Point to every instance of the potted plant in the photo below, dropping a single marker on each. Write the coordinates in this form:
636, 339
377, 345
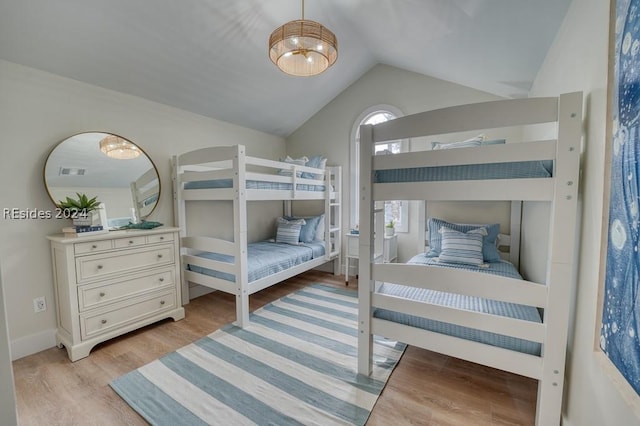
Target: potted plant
81, 210
390, 229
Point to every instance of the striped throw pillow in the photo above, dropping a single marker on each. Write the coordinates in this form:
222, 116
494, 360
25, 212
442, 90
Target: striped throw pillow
462, 247
289, 231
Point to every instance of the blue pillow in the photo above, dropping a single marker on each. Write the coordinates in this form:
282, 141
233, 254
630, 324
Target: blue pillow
489, 248
317, 162
309, 227
462, 247
289, 231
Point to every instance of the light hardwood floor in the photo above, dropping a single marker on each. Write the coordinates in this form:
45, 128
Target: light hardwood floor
425, 389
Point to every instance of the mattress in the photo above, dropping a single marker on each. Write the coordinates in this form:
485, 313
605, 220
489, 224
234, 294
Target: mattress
470, 303
252, 184
514, 170
265, 258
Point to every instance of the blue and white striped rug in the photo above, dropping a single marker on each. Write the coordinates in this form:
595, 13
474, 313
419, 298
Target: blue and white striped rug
295, 364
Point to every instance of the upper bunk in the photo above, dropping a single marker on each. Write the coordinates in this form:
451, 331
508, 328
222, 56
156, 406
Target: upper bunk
527, 170
218, 173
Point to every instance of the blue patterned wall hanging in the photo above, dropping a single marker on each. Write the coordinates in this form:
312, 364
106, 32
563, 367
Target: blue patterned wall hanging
621, 307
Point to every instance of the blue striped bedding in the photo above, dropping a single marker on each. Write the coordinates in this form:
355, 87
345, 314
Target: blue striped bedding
251, 184
514, 170
265, 258
470, 303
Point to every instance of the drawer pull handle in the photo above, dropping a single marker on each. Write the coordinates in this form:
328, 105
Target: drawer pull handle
102, 294
162, 302
94, 246
161, 279
161, 238
159, 256
104, 321
99, 266
130, 241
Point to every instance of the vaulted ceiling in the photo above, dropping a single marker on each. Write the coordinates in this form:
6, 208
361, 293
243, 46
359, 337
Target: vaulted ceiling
210, 56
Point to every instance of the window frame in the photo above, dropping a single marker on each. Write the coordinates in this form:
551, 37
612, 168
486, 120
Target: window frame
354, 144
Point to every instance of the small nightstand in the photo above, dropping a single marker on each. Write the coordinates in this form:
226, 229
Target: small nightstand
389, 254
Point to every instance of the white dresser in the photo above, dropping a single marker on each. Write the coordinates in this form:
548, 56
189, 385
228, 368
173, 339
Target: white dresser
109, 284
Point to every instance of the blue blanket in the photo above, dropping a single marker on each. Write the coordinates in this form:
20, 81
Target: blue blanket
265, 258
251, 184
514, 170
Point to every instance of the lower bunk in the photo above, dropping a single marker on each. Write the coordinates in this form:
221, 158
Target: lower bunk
485, 314
462, 302
265, 258
268, 263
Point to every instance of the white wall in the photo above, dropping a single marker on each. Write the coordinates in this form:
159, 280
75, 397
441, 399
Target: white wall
7, 393
578, 61
329, 130
39, 109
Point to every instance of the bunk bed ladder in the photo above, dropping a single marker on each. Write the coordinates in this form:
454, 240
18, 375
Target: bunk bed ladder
561, 259
179, 214
333, 217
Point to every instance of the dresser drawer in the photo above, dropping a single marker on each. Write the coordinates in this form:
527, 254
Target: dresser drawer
103, 265
104, 293
130, 242
94, 323
159, 238
92, 247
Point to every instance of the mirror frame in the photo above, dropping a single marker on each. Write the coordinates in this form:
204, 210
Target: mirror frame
46, 161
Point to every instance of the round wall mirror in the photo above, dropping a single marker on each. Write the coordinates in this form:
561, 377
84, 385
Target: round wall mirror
106, 166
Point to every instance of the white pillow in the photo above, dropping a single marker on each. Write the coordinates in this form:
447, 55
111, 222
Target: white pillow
475, 141
302, 161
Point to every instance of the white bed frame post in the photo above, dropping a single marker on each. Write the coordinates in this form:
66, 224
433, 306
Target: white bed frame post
179, 218
366, 245
240, 236
514, 233
561, 259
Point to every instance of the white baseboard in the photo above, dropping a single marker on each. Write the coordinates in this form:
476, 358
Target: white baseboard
33, 343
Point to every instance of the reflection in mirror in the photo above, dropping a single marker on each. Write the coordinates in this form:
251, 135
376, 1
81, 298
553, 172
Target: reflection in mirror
106, 166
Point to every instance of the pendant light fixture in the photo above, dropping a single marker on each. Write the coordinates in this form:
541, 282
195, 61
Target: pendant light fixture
116, 147
303, 47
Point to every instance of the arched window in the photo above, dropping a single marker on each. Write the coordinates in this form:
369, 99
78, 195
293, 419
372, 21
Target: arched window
398, 211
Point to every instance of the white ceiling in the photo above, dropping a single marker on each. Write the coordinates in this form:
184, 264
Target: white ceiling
210, 56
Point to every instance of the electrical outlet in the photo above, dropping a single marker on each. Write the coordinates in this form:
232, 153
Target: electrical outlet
39, 304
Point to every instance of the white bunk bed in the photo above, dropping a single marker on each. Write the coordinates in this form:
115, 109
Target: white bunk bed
397, 291
144, 193
228, 174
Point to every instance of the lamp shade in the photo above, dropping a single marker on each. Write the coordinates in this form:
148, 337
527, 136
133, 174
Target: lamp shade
116, 147
303, 48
